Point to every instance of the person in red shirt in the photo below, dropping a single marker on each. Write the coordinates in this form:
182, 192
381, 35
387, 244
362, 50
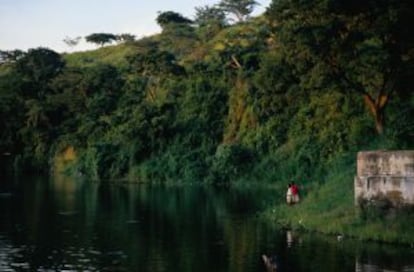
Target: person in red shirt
295, 193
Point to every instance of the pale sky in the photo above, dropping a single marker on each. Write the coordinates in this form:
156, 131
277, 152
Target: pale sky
28, 24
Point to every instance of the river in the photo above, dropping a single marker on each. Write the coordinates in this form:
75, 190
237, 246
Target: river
62, 224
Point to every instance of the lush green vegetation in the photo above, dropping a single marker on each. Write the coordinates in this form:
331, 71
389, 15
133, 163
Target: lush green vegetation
293, 94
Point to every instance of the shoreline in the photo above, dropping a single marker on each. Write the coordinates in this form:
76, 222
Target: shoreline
330, 211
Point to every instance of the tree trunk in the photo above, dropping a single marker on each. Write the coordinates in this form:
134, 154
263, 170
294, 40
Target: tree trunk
377, 109
379, 121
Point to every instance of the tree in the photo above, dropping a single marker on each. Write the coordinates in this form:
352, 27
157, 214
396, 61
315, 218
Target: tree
178, 35
154, 67
210, 16
125, 37
72, 42
362, 47
239, 46
167, 18
10, 56
11, 114
38, 66
241, 9
101, 38
35, 71
210, 21
155, 63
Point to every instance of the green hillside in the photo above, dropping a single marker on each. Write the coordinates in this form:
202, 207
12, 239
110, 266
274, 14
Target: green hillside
290, 95
114, 55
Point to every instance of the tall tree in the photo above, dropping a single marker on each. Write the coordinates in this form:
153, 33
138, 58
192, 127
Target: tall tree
37, 67
36, 70
364, 47
178, 34
209, 15
241, 9
11, 114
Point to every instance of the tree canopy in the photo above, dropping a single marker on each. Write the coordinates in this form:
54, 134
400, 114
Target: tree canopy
166, 18
101, 38
210, 16
359, 47
39, 65
241, 9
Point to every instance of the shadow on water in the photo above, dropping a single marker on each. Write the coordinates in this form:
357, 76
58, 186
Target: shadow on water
70, 225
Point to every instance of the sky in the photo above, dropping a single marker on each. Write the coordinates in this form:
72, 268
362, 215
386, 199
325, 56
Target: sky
28, 24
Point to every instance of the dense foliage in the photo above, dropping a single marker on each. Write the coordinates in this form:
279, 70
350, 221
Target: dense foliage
278, 97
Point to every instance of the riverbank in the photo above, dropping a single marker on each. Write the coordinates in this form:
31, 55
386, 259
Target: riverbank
329, 208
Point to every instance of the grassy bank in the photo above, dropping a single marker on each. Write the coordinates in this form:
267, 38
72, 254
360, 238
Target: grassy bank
329, 208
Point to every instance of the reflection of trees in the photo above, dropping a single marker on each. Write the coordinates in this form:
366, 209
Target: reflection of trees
241, 238
325, 253
383, 258
158, 228
65, 191
167, 228
195, 225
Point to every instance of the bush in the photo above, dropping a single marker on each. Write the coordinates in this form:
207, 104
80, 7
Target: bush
231, 161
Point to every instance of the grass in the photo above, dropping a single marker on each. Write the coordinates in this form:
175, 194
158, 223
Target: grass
329, 208
114, 55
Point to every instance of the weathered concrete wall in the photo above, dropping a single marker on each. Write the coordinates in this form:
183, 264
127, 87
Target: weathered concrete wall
385, 175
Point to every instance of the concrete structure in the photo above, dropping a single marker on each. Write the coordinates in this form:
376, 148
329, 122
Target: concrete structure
385, 175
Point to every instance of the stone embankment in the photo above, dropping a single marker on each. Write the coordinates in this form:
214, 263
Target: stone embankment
385, 176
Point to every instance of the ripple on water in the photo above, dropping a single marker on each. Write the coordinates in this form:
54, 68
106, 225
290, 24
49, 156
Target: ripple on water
5, 195
68, 213
94, 252
132, 222
23, 265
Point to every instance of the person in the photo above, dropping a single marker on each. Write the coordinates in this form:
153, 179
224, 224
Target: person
289, 196
295, 193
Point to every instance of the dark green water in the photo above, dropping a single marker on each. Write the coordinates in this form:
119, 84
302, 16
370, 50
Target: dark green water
68, 225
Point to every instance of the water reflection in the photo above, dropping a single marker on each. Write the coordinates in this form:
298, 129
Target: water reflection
11, 257
69, 225
292, 238
382, 258
374, 268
